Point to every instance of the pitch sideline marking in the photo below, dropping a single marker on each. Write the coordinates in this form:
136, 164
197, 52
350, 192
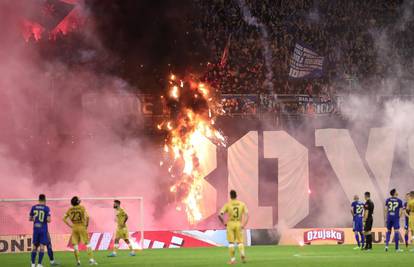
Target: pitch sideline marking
321, 256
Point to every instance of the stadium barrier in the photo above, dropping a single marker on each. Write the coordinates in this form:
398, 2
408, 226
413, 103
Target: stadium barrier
104, 240
193, 238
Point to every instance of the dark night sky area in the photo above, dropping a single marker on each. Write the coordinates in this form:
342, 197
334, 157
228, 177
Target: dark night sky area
152, 33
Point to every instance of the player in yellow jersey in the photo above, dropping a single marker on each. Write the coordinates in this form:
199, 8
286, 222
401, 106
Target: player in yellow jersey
121, 230
237, 218
409, 212
79, 221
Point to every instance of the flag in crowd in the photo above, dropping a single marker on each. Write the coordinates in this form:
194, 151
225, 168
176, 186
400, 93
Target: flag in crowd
305, 63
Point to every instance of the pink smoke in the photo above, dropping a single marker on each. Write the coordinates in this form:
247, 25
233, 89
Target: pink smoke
61, 135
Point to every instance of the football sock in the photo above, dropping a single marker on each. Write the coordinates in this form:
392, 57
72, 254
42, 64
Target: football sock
90, 253
115, 249
370, 240
387, 238
362, 239
397, 239
357, 239
50, 252
231, 251
34, 253
241, 249
406, 239
366, 240
41, 254
76, 252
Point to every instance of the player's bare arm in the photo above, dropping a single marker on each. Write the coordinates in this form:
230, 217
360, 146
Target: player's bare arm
220, 216
245, 219
365, 216
126, 219
65, 220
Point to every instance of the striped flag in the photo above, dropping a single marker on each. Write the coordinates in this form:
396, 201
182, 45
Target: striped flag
305, 63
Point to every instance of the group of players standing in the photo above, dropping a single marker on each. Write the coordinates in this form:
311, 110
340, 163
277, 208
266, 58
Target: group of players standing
77, 219
395, 210
237, 217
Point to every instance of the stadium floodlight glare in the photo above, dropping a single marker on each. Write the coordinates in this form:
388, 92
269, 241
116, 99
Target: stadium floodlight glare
19, 208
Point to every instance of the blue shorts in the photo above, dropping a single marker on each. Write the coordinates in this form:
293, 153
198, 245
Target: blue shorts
357, 225
393, 222
40, 237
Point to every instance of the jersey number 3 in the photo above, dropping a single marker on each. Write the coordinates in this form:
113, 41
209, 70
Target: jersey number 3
235, 213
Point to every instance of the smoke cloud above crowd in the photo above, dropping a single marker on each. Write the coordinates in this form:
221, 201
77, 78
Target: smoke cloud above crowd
68, 128
71, 121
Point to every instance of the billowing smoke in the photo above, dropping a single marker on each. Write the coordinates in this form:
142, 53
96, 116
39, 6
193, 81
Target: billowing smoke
67, 126
374, 102
370, 104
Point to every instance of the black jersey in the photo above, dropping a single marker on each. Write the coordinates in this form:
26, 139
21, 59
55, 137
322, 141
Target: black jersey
369, 208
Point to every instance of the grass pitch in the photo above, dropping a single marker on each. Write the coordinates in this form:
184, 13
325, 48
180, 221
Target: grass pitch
312, 256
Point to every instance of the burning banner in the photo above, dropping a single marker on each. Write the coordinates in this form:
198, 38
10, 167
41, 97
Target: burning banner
52, 18
194, 110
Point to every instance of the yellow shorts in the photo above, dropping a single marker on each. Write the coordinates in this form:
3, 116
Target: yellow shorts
122, 233
411, 223
79, 235
234, 232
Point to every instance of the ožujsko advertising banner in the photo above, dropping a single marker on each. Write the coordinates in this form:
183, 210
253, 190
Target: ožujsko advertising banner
312, 236
104, 241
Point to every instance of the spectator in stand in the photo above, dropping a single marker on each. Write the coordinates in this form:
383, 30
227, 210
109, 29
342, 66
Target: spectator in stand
343, 35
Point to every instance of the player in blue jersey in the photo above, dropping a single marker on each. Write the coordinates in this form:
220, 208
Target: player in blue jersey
40, 216
406, 228
50, 252
393, 213
357, 211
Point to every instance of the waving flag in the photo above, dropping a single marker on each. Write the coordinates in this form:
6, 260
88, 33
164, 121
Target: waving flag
225, 55
305, 63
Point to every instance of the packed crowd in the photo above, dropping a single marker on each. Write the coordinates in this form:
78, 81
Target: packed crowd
277, 104
363, 42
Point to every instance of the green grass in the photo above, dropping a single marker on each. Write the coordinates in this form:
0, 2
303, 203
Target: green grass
316, 256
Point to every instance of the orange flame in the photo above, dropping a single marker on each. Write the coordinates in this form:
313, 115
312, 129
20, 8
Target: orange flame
186, 134
174, 93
